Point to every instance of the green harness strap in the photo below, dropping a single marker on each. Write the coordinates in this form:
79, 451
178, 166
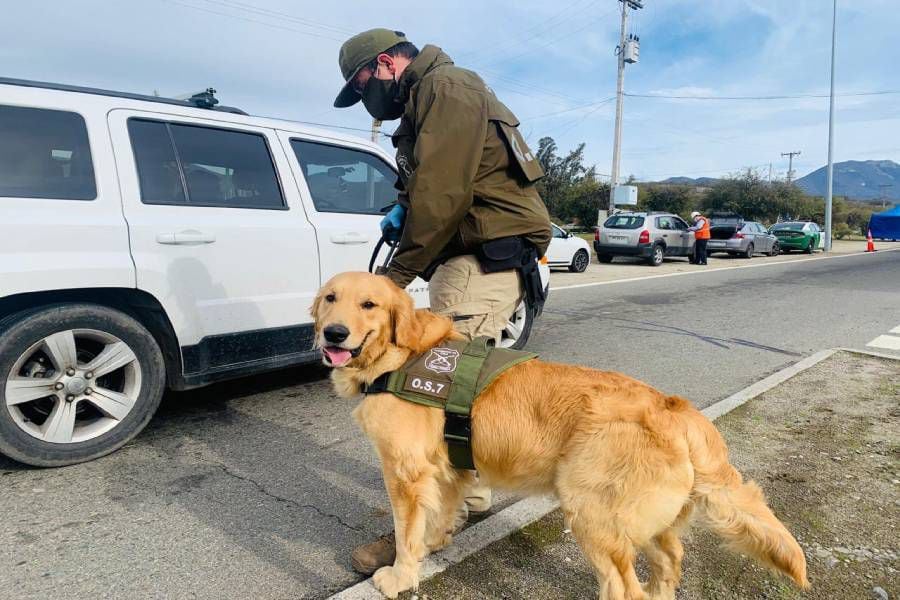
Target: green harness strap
450, 377
457, 411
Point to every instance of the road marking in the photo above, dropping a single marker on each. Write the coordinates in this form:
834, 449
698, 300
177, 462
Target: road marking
891, 342
704, 271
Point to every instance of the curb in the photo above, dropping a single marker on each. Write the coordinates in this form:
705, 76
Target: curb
527, 511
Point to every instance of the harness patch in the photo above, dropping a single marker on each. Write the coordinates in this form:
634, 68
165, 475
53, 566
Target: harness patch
442, 360
424, 385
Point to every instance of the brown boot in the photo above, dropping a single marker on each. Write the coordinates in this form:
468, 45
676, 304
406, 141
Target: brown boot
368, 558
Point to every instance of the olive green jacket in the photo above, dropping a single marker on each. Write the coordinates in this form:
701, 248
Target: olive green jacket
467, 174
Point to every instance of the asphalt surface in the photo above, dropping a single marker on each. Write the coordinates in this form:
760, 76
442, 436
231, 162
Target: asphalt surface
259, 488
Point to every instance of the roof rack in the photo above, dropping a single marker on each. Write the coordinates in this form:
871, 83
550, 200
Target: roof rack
204, 100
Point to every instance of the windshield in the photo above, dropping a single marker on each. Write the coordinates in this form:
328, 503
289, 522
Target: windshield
791, 226
624, 222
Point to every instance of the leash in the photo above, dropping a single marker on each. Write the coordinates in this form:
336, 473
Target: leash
392, 248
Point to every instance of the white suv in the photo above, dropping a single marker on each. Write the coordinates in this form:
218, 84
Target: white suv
148, 243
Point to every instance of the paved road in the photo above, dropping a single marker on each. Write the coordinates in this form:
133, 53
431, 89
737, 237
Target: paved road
259, 488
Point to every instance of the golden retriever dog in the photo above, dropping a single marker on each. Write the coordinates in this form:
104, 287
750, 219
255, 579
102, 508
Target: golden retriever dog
627, 462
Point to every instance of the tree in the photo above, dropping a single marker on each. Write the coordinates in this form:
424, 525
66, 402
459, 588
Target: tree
569, 188
676, 199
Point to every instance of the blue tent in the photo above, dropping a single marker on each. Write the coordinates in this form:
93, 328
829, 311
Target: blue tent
886, 225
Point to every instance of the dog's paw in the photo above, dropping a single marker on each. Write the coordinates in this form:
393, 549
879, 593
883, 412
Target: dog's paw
390, 581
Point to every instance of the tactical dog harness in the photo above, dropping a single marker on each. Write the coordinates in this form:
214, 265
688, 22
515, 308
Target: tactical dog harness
451, 376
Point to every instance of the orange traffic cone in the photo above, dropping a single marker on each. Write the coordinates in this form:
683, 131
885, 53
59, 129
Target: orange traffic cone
870, 245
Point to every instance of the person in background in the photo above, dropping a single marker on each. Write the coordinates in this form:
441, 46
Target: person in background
701, 235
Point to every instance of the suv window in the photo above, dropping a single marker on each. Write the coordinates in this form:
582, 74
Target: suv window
45, 154
624, 222
345, 180
664, 223
679, 224
203, 166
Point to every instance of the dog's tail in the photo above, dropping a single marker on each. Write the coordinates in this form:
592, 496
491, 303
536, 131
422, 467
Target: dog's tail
737, 510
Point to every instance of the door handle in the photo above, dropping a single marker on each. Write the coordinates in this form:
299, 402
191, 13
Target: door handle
187, 237
350, 237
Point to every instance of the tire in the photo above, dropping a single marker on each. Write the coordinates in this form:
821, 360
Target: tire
580, 262
657, 254
776, 249
748, 253
605, 258
515, 335
104, 411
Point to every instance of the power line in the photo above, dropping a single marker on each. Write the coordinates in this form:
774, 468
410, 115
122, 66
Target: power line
783, 97
264, 23
533, 48
572, 124
241, 6
568, 110
537, 27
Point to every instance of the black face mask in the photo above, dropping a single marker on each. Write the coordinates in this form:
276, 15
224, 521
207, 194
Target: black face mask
379, 98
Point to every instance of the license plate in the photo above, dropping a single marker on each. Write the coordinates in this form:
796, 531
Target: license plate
618, 239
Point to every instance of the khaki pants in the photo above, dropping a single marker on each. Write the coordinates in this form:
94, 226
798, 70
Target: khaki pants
480, 305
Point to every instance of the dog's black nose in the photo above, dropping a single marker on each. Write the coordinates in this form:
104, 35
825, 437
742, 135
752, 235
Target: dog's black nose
335, 334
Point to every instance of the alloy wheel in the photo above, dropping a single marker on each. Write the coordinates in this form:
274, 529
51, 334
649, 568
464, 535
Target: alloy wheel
73, 386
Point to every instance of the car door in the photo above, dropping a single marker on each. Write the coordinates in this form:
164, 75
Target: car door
669, 235
560, 251
814, 233
216, 237
763, 240
686, 237
345, 188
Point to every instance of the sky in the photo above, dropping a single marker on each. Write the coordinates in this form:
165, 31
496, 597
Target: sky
552, 63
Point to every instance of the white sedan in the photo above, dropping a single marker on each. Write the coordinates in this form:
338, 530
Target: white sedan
567, 250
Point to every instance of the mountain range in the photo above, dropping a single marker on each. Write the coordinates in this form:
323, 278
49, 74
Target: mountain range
856, 179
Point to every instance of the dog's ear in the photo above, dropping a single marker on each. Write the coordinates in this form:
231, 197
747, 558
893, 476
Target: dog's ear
315, 308
407, 328
417, 330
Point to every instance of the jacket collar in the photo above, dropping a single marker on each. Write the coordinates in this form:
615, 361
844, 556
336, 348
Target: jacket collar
429, 58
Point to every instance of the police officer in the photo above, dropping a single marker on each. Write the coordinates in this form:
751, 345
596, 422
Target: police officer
467, 195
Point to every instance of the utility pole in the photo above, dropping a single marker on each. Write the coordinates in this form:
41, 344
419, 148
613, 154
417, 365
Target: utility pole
376, 129
882, 187
770, 172
622, 57
790, 155
829, 172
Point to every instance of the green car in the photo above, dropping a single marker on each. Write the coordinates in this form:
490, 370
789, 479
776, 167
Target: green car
797, 235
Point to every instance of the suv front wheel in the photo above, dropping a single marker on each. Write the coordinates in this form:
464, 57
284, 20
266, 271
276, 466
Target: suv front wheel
77, 381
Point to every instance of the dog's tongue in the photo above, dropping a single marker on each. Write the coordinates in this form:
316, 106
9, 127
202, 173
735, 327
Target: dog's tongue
338, 356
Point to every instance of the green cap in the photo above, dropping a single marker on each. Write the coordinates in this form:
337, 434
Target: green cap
357, 52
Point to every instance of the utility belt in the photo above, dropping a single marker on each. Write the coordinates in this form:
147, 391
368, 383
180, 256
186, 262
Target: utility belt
505, 254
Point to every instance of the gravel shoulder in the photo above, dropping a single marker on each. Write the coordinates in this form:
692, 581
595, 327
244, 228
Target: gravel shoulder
824, 446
